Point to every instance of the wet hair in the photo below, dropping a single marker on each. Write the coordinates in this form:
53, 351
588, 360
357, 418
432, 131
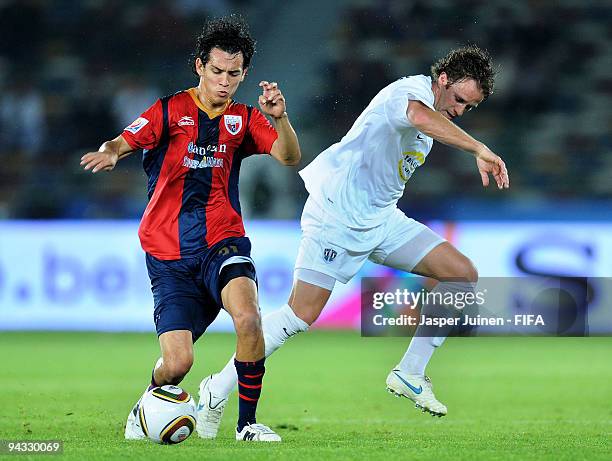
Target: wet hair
230, 34
465, 63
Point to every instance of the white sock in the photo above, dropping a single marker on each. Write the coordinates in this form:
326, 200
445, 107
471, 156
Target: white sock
419, 352
277, 326
421, 348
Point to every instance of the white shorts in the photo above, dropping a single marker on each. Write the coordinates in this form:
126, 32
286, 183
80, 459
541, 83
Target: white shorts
330, 247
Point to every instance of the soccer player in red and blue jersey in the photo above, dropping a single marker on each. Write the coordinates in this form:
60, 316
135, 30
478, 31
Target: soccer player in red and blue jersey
197, 254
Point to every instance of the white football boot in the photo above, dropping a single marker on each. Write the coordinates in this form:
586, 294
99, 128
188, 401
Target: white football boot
257, 433
133, 430
417, 388
210, 411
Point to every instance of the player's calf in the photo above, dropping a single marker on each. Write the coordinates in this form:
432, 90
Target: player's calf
278, 327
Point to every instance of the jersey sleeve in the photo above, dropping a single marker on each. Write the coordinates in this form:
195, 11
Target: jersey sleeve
413, 90
146, 130
260, 135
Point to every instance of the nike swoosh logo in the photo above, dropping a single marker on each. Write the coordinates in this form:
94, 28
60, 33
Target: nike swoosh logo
420, 136
287, 333
412, 388
212, 407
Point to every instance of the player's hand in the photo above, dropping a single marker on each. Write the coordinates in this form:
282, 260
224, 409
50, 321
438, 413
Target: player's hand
99, 161
487, 162
271, 101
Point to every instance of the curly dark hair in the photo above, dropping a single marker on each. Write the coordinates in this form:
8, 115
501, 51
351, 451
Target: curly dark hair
467, 62
229, 33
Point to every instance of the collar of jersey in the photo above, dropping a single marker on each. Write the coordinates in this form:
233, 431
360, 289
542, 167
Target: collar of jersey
193, 92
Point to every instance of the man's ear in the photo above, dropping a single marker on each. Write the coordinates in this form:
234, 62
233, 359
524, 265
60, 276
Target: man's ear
443, 79
199, 65
244, 73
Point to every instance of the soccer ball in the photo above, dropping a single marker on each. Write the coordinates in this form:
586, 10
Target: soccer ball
167, 414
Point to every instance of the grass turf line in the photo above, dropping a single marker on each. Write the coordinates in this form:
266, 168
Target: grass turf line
324, 392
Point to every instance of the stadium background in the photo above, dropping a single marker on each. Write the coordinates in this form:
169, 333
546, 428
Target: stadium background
73, 74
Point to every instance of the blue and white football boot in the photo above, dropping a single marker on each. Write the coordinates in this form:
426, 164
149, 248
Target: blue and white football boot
210, 411
417, 388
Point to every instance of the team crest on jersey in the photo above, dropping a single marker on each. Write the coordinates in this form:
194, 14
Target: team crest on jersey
186, 121
329, 255
136, 125
233, 123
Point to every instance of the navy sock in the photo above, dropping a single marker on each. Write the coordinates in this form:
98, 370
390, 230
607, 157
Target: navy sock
250, 377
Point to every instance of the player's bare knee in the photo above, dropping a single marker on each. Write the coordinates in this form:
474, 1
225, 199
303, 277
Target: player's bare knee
466, 271
247, 324
470, 271
176, 368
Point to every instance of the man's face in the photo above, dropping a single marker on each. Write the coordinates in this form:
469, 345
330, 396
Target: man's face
456, 98
221, 75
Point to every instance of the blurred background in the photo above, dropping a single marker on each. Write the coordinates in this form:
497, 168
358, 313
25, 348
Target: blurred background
74, 73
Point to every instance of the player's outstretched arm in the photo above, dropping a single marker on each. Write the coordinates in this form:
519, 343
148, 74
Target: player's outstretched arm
438, 127
107, 155
286, 149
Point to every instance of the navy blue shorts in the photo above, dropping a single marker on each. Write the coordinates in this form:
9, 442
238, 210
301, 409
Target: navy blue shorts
187, 292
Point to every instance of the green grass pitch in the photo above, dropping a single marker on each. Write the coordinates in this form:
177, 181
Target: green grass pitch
324, 392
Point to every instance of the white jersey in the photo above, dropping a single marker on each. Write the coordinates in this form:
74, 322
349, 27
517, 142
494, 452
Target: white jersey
360, 179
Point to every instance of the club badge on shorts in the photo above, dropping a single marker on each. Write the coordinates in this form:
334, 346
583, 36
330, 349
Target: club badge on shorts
329, 255
233, 123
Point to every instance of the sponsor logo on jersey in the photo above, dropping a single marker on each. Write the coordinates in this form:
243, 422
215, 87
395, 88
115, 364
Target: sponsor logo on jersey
409, 162
186, 121
192, 148
206, 162
329, 255
233, 123
136, 125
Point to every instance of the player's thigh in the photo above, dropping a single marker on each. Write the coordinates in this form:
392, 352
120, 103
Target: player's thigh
329, 247
231, 279
406, 243
307, 299
445, 262
328, 251
318, 265
180, 302
239, 297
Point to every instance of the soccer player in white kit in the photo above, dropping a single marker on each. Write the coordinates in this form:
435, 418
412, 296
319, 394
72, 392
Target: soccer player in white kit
351, 215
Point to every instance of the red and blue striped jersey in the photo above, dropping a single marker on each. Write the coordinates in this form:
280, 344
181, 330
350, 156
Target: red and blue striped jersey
192, 160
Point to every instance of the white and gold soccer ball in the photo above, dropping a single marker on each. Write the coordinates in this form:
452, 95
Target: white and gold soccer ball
167, 414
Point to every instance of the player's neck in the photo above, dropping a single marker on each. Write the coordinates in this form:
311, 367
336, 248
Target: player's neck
436, 91
207, 103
